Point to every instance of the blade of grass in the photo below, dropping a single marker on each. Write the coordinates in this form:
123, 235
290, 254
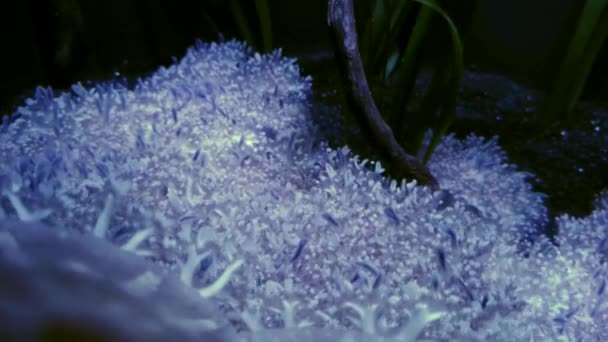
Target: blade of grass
379, 37
401, 7
392, 47
391, 64
431, 106
447, 113
564, 93
389, 41
241, 22
409, 65
263, 12
593, 48
450, 101
372, 38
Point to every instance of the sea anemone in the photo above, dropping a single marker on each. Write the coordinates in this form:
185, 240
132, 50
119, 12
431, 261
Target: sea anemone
210, 176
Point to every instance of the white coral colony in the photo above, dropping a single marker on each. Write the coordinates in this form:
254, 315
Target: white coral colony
196, 206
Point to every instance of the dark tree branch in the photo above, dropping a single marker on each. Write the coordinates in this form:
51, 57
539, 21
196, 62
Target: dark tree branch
341, 20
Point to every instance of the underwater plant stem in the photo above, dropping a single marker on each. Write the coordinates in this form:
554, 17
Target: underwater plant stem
341, 20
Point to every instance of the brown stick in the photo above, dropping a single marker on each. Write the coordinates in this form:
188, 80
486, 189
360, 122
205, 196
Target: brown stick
341, 20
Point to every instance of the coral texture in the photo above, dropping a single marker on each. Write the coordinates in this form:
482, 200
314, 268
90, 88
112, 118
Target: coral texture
203, 203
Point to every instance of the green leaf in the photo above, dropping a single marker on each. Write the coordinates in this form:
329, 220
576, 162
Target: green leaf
590, 34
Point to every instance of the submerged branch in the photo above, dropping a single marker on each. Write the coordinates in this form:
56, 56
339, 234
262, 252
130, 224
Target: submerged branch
341, 20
